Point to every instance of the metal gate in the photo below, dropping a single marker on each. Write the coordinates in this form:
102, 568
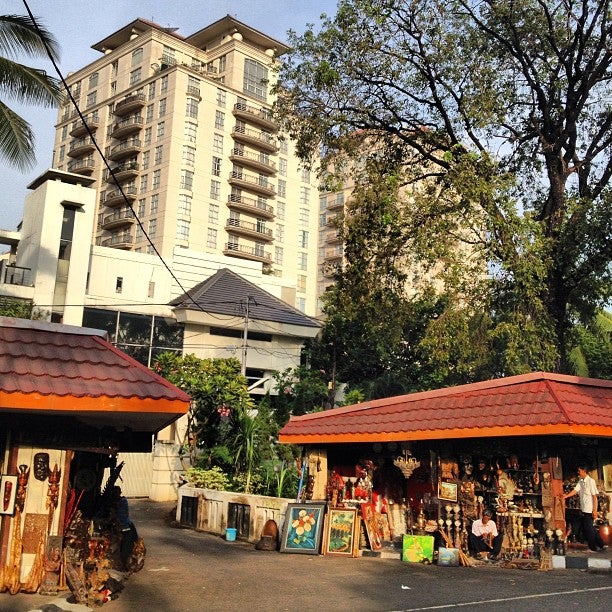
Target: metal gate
239, 517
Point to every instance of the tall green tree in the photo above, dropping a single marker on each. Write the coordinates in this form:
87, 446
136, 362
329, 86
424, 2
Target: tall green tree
25, 84
500, 116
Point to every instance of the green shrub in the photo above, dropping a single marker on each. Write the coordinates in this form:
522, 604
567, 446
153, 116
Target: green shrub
213, 478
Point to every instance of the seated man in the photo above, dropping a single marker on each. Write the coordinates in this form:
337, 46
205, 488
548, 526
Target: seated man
485, 541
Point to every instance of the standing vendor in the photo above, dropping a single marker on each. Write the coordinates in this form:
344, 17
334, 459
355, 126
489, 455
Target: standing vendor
586, 488
485, 540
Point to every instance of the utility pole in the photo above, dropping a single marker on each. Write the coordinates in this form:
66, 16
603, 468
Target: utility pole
245, 335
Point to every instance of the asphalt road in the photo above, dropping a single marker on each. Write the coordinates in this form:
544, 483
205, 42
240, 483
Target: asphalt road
191, 571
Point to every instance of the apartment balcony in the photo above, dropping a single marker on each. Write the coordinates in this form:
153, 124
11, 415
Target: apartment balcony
79, 128
130, 104
250, 205
251, 230
252, 183
332, 237
131, 146
335, 203
194, 92
243, 251
81, 166
334, 254
260, 116
123, 217
123, 172
255, 138
117, 198
82, 146
119, 240
128, 126
11, 274
256, 161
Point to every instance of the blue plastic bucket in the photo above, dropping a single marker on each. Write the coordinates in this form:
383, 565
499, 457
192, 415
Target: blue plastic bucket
230, 534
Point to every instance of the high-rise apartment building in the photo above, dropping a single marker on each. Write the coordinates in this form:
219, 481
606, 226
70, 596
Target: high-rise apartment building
195, 159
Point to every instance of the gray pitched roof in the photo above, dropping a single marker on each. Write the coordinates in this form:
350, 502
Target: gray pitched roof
226, 292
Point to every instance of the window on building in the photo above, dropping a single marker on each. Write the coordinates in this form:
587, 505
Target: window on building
91, 98
215, 190
162, 107
114, 68
149, 114
184, 204
64, 132
137, 56
303, 239
300, 304
255, 80
186, 179
152, 89
278, 256
163, 84
213, 214
282, 167
305, 175
304, 216
93, 80
148, 135
222, 63
154, 203
216, 166
304, 195
191, 130
284, 147
219, 120
156, 179
189, 155
139, 233
182, 229
280, 232
161, 128
218, 143
340, 198
159, 153
152, 228
144, 179
141, 208
282, 188
146, 159
151, 290
302, 261
168, 56
221, 97
301, 283
136, 75
280, 210
191, 109
62, 153
211, 238
193, 85
119, 284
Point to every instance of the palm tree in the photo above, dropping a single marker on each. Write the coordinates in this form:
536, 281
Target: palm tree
19, 34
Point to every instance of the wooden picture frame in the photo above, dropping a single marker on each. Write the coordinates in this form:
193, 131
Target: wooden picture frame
8, 494
341, 533
370, 523
303, 528
447, 490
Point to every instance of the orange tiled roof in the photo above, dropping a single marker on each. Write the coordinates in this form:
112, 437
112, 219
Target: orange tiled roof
46, 368
538, 403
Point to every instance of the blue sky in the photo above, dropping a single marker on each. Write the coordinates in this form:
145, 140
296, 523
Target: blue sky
78, 25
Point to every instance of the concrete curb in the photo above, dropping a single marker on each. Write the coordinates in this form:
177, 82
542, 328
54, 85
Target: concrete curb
582, 563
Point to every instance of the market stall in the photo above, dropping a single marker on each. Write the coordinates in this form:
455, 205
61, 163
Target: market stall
428, 464
69, 403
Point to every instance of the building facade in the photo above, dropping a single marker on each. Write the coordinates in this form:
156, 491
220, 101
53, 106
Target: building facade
193, 157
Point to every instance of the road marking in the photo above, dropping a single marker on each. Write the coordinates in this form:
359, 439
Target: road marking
505, 599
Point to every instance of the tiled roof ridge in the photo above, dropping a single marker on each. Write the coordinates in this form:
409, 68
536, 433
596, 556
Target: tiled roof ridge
461, 390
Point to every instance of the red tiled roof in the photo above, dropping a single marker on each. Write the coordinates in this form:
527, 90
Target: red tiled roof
538, 403
47, 368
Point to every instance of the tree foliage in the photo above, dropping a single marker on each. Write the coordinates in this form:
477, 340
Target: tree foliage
495, 121
19, 35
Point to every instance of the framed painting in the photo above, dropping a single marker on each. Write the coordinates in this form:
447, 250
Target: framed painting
341, 534
447, 491
8, 494
303, 528
371, 525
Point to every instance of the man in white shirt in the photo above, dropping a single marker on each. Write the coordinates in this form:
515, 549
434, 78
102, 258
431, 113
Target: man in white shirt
485, 540
586, 488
